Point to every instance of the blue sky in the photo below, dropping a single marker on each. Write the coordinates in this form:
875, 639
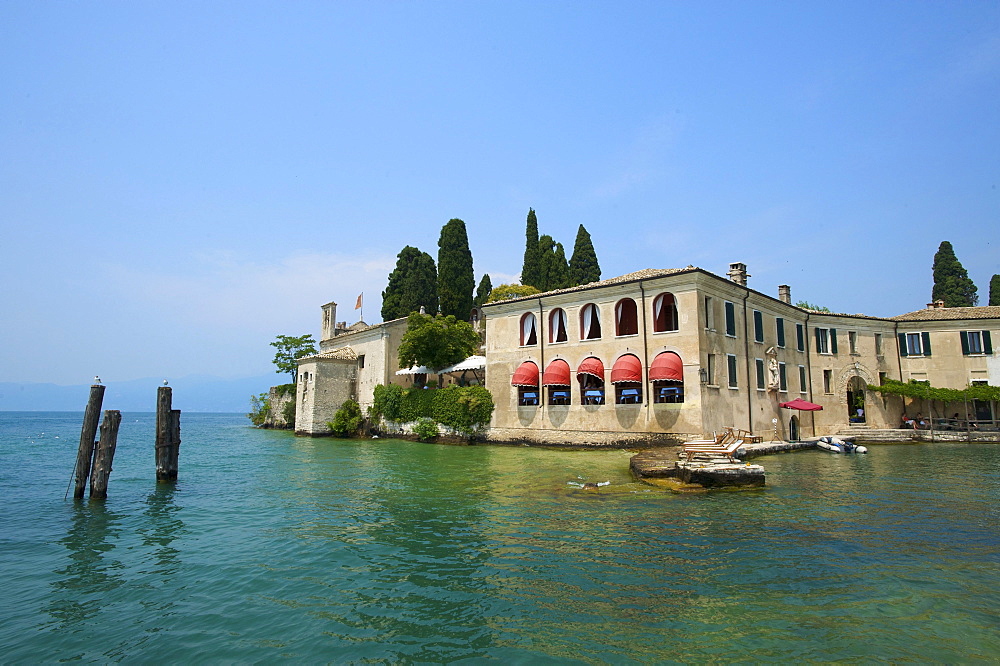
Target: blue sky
180, 182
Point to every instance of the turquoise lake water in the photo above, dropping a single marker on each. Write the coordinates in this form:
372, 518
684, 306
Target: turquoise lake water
272, 547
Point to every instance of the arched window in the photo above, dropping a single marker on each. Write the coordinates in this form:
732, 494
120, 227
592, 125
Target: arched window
664, 313
667, 374
556, 379
626, 318
590, 374
590, 322
525, 380
557, 325
626, 375
529, 332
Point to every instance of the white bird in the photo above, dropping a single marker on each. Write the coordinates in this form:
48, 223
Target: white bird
164, 382
97, 380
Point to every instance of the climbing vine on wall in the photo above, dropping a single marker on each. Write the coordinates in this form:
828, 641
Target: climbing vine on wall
923, 390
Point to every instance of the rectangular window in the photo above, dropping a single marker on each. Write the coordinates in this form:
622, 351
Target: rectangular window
711, 369
731, 363
852, 341
916, 344
361, 360
803, 384
827, 381
782, 378
800, 337
760, 373
822, 341
878, 344
709, 314
730, 319
881, 378
779, 327
976, 342
758, 326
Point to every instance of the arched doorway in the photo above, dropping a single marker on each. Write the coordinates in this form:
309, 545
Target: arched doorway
793, 429
856, 400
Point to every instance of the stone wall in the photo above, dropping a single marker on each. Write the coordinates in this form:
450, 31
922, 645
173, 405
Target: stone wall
278, 397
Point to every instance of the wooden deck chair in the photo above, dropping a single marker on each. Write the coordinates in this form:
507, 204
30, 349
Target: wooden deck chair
729, 451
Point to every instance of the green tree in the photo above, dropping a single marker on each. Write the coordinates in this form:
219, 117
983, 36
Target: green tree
806, 305
583, 266
508, 291
456, 279
559, 269
546, 258
951, 281
995, 290
483, 292
437, 342
290, 349
413, 283
347, 421
530, 268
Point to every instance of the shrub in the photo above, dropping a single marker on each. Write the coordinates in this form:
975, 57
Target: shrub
465, 409
288, 412
260, 406
425, 430
387, 402
347, 421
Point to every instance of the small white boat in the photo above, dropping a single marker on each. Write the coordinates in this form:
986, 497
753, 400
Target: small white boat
837, 445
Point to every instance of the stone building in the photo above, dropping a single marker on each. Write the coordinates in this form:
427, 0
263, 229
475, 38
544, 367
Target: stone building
665, 355
662, 355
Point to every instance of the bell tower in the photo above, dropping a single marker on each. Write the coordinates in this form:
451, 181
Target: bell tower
329, 320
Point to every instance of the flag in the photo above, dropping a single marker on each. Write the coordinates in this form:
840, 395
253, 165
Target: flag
357, 305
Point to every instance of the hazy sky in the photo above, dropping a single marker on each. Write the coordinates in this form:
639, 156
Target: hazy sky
182, 181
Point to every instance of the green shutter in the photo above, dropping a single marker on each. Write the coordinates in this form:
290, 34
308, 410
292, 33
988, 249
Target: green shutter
964, 337
833, 341
730, 319
927, 343
779, 325
902, 344
800, 336
819, 347
987, 342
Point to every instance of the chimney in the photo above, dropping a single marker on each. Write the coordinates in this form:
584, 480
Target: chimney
939, 304
785, 293
738, 273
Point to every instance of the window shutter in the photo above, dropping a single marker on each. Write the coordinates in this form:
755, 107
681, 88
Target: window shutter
818, 347
779, 324
902, 344
964, 336
987, 343
730, 319
800, 337
927, 343
833, 341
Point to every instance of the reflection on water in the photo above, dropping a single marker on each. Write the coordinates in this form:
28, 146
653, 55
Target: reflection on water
274, 547
91, 570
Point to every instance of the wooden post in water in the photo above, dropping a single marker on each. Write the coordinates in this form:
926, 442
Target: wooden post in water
168, 436
175, 443
85, 454
105, 454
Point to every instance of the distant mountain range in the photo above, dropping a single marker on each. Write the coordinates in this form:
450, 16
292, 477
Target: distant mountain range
196, 393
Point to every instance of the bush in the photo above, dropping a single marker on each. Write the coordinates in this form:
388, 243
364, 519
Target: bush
260, 407
347, 421
387, 402
464, 409
288, 412
425, 430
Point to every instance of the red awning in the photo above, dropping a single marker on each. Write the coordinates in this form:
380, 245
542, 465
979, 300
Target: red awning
667, 365
801, 404
556, 374
591, 366
628, 368
525, 375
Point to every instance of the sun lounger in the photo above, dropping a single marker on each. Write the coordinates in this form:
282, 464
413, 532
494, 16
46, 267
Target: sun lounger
729, 450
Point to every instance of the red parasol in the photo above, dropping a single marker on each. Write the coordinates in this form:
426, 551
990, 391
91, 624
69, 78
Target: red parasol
802, 405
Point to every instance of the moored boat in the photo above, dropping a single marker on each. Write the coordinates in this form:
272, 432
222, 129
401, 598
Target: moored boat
837, 445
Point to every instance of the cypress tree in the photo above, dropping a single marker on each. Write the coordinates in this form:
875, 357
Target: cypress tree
951, 281
583, 266
546, 257
995, 290
483, 292
456, 279
559, 269
413, 283
530, 269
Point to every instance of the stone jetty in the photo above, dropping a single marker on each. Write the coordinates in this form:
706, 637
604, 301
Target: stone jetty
669, 463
